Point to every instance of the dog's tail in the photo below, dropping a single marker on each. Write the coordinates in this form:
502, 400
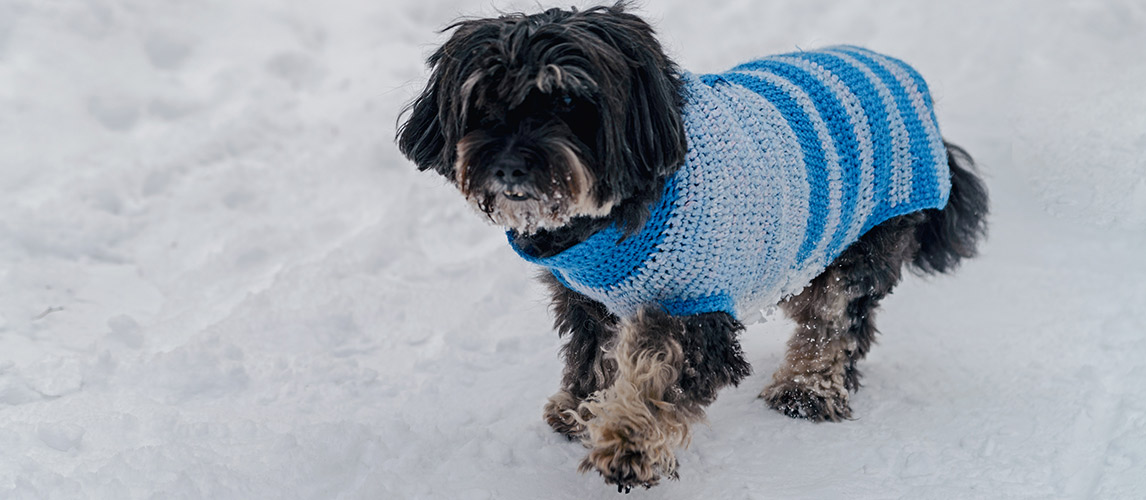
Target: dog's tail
953, 233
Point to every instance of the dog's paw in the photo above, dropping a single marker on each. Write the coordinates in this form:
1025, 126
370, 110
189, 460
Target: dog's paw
559, 414
627, 467
808, 402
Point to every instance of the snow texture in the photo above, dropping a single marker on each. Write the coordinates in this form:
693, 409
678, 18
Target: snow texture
219, 279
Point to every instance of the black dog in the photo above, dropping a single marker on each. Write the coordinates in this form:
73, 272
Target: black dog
565, 124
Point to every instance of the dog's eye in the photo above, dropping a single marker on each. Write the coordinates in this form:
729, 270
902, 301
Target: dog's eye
564, 103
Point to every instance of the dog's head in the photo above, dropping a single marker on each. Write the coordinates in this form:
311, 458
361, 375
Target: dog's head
539, 119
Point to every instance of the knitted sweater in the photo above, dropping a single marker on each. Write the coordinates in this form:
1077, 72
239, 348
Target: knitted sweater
791, 158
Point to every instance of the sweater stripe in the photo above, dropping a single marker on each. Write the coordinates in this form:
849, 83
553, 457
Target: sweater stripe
821, 224
918, 144
814, 148
869, 111
829, 117
774, 137
930, 148
860, 199
892, 137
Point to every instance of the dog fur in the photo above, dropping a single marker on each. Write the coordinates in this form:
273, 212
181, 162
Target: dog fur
559, 124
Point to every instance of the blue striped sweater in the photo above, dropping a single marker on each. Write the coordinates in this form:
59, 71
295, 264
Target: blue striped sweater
790, 159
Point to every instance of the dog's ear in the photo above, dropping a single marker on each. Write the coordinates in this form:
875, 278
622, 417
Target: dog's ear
653, 137
436, 123
421, 138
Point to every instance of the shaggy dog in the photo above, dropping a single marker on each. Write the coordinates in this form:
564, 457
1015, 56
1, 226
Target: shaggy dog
669, 207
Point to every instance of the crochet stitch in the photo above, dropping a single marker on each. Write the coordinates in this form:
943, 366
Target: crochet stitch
791, 158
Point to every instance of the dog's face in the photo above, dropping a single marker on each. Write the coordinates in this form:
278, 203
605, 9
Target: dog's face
539, 119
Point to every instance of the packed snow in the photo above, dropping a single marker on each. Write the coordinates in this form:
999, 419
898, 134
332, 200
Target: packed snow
219, 278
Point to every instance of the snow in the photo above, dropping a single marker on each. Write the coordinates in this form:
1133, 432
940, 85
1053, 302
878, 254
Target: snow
219, 279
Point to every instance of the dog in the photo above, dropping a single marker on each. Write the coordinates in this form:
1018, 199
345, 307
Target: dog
668, 208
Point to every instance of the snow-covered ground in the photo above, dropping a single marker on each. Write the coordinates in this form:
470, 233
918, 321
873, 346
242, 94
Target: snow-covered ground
219, 279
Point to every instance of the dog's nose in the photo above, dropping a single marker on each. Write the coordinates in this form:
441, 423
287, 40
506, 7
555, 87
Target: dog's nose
514, 176
511, 173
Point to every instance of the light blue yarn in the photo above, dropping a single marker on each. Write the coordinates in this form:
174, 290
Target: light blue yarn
791, 159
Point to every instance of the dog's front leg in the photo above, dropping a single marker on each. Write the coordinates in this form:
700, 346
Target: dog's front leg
591, 331
667, 370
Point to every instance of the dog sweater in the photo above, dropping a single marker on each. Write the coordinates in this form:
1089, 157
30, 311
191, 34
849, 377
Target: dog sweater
791, 158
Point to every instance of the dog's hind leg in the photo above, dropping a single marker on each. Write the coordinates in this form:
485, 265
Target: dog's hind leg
835, 323
667, 370
591, 330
